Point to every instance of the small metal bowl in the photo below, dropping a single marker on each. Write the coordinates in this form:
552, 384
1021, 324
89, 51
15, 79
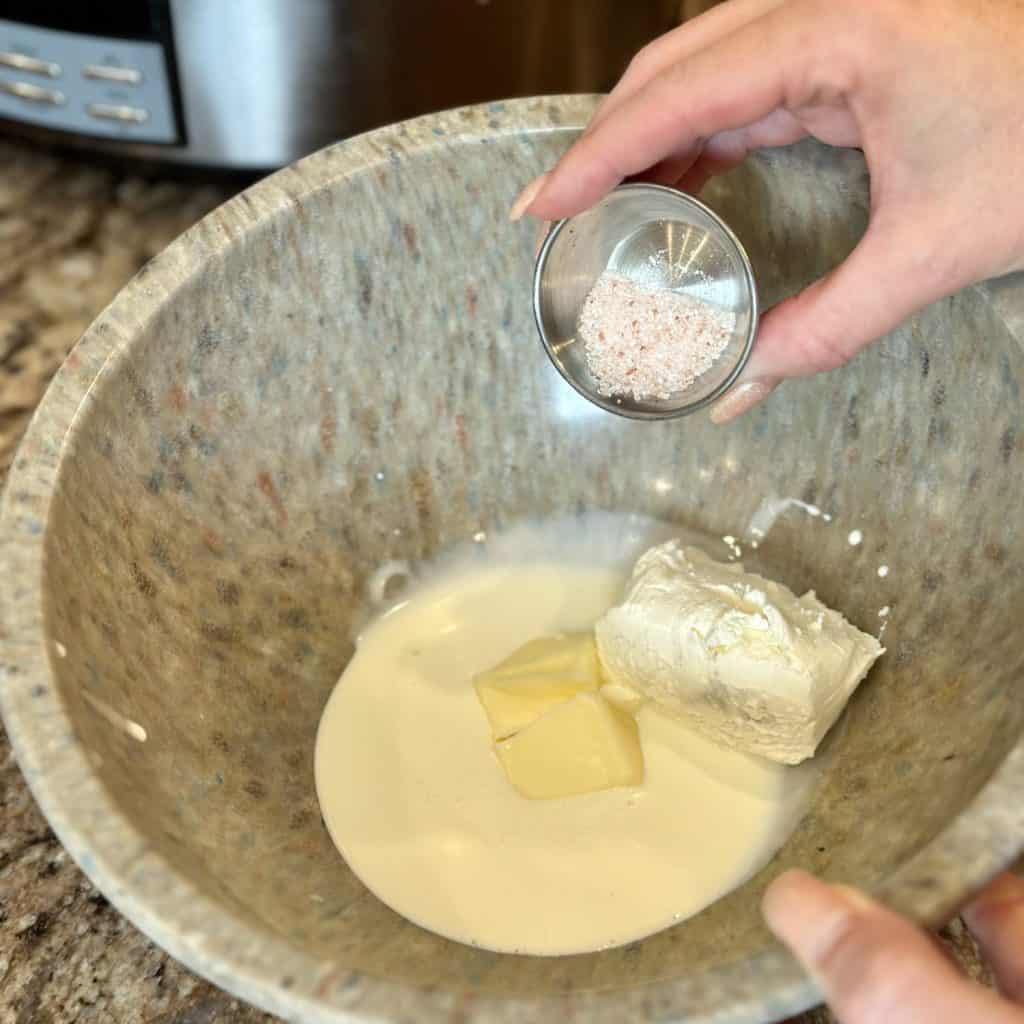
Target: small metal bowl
661, 238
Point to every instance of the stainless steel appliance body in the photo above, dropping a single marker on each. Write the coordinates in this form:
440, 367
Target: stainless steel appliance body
253, 84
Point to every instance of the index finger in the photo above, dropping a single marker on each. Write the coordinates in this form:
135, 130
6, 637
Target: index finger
732, 83
691, 37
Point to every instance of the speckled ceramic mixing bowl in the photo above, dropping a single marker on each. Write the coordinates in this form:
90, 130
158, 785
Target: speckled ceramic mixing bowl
338, 368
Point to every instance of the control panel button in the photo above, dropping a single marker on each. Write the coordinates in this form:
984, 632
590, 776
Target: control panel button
118, 112
113, 73
32, 93
23, 62
110, 87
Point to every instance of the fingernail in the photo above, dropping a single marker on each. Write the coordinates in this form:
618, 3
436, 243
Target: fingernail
785, 893
740, 398
526, 198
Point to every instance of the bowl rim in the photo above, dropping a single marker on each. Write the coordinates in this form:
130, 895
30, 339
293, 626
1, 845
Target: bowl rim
608, 403
203, 933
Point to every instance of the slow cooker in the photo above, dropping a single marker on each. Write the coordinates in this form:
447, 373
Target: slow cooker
254, 84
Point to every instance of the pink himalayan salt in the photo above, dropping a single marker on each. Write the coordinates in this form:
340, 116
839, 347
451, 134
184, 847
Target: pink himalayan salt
645, 343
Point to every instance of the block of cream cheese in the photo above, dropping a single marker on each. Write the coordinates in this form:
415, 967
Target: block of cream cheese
739, 657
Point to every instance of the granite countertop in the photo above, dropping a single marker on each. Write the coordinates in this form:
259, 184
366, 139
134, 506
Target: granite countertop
71, 234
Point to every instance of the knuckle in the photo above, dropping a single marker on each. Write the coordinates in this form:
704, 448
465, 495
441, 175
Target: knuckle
830, 345
826, 352
927, 259
844, 44
870, 972
813, 35
842, 954
642, 63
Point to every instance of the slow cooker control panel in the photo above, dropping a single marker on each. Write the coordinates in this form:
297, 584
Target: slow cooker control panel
92, 85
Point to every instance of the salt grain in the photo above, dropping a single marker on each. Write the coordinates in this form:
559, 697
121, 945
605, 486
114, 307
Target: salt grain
649, 343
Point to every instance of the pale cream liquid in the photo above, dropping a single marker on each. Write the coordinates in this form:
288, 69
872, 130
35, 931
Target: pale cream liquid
421, 810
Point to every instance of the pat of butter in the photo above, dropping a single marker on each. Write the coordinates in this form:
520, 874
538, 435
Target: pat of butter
579, 746
545, 672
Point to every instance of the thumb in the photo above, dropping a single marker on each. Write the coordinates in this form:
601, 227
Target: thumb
891, 274
871, 964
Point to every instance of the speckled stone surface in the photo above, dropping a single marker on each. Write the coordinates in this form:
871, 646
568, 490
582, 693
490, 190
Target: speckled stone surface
222, 462
71, 234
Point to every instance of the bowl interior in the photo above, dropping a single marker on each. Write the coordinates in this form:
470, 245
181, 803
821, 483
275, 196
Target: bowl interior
353, 377
660, 239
